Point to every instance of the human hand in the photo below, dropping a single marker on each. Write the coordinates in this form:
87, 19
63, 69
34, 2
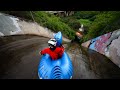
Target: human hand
40, 52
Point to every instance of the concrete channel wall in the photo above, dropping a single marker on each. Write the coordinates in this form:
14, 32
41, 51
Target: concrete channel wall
11, 25
107, 44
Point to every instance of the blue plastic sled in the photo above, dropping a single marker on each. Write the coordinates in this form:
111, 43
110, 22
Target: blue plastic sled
55, 69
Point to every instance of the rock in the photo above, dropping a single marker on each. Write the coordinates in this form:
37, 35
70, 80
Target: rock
86, 44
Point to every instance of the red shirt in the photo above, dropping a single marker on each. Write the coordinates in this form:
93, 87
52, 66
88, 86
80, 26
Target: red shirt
57, 53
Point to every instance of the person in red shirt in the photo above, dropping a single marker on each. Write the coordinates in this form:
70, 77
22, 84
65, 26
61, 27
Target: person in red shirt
54, 52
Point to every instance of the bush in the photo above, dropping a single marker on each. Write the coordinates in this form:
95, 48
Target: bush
85, 22
54, 23
85, 14
72, 22
47, 20
103, 24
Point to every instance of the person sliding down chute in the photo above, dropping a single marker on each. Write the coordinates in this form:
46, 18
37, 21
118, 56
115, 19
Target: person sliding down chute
55, 63
54, 51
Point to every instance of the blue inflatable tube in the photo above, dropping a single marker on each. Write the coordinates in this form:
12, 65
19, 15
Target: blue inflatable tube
55, 69
58, 37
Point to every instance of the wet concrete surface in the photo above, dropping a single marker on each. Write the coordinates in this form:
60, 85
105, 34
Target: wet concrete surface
19, 59
103, 67
89, 64
19, 56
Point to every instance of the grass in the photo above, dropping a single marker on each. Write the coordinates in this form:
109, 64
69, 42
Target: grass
85, 22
